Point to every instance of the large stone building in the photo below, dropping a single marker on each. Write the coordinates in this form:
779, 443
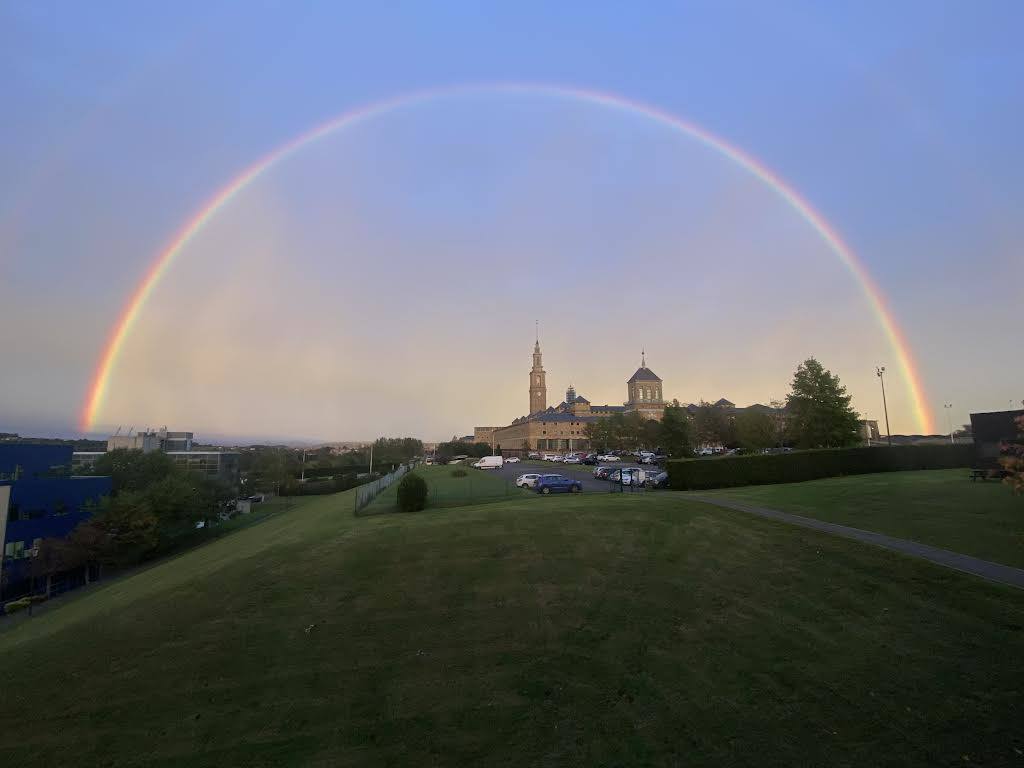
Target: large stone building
563, 427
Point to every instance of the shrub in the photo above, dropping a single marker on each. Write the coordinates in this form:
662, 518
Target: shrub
412, 493
458, 473
17, 605
701, 474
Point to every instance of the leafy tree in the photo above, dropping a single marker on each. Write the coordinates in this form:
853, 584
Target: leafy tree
650, 434
616, 431
55, 556
133, 470
819, 408
445, 451
755, 430
396, 450
712, 424
676, 434
1013, 460
598, 434
779, 417
412, 493
633, 431
127, 530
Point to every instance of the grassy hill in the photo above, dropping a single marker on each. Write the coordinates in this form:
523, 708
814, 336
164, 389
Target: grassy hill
939, 507
600, 630
446, 488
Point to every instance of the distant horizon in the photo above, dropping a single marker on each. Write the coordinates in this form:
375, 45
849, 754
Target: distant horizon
360, 238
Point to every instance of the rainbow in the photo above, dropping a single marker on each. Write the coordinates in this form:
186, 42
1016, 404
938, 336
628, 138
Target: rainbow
100, 381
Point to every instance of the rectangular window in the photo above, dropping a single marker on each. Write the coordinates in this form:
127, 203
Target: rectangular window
15, 549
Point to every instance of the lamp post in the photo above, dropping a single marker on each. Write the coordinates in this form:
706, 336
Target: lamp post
880, 371
949, 420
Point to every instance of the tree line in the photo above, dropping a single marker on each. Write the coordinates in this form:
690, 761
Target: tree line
279, 469
154, 505
816, 414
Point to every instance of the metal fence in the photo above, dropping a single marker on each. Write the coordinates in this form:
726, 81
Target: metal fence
368, 492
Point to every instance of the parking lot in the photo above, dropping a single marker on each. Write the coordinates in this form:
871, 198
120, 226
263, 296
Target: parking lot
581, 472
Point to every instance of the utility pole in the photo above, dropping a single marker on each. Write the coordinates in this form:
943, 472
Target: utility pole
949, 420
371, 461
880, 371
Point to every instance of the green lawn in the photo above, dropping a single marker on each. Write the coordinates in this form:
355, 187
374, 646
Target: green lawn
939, 507
477, 487
592, 630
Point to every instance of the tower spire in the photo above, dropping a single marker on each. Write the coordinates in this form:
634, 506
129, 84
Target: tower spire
643, 357
538, 385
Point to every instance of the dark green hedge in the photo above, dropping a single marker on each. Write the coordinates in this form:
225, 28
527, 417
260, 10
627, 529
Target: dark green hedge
412, 493
795, 467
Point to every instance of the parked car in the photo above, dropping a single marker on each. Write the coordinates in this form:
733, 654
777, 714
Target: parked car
489, 462
557, 484
602, 473
572, 460
533, 455
660, 480
512, 460
527, 481
550, 457
609, 457
628, 475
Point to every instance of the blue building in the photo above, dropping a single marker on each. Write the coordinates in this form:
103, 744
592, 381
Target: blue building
39, 499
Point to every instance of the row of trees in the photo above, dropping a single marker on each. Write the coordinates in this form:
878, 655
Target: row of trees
816, 414
278, 469
445, 451
153, 506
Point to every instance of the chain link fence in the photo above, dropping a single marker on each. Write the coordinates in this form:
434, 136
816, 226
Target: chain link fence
368, 492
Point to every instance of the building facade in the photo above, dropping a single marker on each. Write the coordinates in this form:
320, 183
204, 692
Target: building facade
39, 499
564, 427
178, 445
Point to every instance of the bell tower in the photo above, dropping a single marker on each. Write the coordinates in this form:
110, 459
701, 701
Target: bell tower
538, 386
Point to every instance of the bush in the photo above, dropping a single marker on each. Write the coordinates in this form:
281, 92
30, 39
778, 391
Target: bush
412, 493
701, 474
458, 473
17, 605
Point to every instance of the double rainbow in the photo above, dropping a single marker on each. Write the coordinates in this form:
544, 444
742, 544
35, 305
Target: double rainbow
100, 382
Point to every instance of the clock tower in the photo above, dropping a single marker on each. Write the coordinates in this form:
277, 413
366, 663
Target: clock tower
538, 386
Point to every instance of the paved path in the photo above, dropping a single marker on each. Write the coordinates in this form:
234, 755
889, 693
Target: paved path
1003, 574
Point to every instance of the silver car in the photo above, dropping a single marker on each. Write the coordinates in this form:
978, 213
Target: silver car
527, 481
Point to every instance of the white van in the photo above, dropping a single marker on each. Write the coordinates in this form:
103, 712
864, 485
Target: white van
489, 462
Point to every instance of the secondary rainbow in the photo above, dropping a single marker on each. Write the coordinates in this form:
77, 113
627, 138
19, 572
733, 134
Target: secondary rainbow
122, 328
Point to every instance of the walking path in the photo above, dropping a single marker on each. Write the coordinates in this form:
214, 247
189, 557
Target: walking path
1003, 574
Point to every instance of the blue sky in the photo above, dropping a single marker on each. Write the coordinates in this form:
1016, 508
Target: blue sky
900, 123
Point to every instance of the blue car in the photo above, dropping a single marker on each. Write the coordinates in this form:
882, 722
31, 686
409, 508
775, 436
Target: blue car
557, 484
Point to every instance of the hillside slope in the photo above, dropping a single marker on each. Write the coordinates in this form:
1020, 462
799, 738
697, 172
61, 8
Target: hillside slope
587, 631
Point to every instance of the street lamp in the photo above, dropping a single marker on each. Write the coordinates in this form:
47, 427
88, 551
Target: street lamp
949, 420
880, 371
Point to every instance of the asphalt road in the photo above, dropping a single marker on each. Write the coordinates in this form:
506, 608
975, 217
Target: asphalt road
581, 472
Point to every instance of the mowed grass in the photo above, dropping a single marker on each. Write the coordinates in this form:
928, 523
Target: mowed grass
592, 630
939, 507
445, 490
